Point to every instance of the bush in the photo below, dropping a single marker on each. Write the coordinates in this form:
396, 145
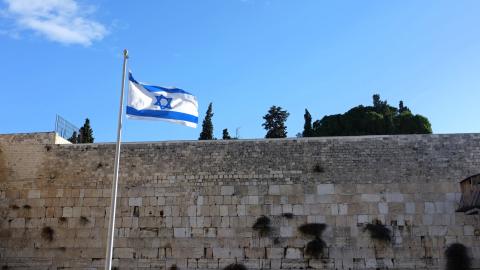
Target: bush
313, 229
47, 233
315, 248
262, 225
457, 257
235, 266
318, 169
84, 220
379, 231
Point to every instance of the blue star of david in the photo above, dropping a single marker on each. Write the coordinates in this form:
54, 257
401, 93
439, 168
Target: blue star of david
163, 102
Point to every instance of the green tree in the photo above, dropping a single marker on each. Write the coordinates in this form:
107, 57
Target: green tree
307, 127
207, 126
402, 108
376, 101
73, 138
226, 135
407, 123
85, 134
275, 122
381, 118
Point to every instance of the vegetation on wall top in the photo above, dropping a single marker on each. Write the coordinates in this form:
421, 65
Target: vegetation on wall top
379, 119
207, 125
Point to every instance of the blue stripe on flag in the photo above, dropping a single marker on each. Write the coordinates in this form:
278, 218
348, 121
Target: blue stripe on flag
130, 77
163, 114
153, 88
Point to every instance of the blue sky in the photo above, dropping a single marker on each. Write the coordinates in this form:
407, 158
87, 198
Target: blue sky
64, 57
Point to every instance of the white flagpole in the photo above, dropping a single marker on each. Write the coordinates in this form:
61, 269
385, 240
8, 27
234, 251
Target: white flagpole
113, 203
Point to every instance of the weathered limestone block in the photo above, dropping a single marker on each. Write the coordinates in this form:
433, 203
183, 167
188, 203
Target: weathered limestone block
324, 189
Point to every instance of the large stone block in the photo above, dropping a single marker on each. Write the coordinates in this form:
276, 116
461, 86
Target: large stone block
323, 189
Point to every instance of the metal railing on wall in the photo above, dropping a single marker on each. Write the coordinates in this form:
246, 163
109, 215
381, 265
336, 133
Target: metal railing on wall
64, 128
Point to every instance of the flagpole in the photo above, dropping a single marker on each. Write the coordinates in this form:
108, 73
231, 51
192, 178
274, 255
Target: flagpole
113, 203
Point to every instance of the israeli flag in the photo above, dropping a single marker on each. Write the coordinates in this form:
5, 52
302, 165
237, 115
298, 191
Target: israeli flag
161, 103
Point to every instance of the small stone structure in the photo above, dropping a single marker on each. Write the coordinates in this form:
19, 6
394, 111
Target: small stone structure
192, 204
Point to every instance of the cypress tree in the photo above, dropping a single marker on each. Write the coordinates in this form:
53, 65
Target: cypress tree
225, 135
275, 122
207, 126
376, 101
402, 108
307, 127
85, 133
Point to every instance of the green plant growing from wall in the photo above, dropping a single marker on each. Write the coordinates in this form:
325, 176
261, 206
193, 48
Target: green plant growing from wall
315, 247
318, 168
262, 226
457, 257
378, 231
84, 220
313, 229
48, 233
235, 266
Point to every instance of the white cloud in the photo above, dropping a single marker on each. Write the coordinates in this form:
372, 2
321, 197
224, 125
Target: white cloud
63, 21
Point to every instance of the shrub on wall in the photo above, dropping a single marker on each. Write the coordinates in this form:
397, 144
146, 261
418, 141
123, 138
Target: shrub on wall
379, 231
262, 226
84, 220
315, 248
313, 229
318, 168
235, 266
457, 257
47, 233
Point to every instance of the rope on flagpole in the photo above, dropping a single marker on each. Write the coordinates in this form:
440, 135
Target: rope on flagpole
113, 203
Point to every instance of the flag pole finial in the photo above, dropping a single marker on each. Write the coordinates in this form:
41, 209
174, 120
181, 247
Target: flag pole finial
125, 53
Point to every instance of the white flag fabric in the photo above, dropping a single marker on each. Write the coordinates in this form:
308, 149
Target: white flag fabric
161, 103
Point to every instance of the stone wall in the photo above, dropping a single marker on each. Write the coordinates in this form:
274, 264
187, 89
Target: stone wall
193, 204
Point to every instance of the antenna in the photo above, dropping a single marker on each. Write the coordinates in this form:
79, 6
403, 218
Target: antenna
237, 132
